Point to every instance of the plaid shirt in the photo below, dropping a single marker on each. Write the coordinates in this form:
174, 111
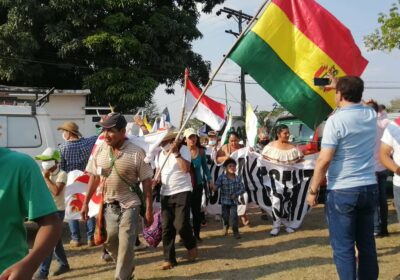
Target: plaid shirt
75, 154
229, 188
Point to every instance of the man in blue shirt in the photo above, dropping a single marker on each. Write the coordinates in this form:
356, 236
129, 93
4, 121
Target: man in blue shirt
347, 153
75, 152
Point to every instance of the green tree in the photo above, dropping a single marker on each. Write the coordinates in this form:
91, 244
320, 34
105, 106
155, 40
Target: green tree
394, 105
122, 50
387, 37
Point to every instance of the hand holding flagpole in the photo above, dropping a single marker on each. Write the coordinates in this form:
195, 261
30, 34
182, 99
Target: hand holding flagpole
210, 81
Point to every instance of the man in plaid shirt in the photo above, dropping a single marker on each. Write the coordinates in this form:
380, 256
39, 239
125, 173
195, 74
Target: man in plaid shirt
75, 152
231, 187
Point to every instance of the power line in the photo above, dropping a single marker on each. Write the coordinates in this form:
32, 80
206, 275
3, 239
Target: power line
254, 83
240, 17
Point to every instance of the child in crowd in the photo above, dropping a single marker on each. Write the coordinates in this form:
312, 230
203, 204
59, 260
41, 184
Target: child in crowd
55, 179
231, 187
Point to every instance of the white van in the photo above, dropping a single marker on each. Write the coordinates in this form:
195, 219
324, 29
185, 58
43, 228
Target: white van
29, 125
22, 131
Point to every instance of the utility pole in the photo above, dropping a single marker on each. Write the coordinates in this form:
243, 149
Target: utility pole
240, 17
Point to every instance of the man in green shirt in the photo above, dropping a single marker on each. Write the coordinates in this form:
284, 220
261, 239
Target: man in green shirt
24, 194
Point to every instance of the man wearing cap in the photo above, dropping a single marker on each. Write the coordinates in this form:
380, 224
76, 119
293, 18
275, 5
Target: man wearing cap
176, 191
119, 165
23, 194
75, 152
55, 179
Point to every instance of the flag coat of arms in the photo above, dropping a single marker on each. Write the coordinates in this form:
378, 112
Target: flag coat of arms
208, 110
293, 42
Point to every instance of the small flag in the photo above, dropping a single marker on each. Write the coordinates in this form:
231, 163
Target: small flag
251, 126
208, 110
162, 122
146, 123
228, 128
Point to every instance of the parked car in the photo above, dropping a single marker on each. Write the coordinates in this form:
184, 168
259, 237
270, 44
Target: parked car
304, 138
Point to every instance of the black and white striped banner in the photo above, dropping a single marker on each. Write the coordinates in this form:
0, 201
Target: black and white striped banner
281, 190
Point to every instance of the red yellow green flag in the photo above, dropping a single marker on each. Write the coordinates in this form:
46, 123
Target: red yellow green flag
293, 42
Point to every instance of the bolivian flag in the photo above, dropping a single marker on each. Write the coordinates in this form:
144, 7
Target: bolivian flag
292, 43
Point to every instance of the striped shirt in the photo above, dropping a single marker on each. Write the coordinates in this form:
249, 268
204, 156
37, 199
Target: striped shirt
131, 167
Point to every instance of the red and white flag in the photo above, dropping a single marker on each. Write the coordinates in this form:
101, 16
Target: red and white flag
75, 193
208, 111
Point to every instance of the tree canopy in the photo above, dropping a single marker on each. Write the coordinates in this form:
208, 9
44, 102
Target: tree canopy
387, 36
122, 50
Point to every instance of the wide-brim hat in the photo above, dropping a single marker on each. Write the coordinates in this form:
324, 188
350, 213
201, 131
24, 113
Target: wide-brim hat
49, 154
170, 135
70, 127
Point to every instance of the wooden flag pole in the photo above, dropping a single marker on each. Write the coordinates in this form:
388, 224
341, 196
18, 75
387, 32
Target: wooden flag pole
184, 96
220, 66
211, 79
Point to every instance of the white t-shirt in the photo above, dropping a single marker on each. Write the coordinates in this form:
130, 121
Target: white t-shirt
172, 178
391, 137
59, 177
381, 125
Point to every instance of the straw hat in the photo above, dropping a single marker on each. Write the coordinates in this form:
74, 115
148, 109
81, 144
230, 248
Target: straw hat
170, 135
70, 127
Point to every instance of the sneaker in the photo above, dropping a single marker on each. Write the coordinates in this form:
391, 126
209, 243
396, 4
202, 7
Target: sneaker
140, 247
74, 243
290, 230
106, 257
274, 232
91, 243
192, 254
61, 269
39, 276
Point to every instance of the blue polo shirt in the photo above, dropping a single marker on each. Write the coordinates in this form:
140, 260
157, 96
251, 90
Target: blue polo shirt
351, 131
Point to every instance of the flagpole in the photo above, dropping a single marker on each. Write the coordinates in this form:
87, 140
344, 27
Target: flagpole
210, 81
184, 96
220, 66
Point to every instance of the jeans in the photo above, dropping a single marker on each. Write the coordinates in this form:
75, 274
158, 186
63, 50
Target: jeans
350, 216
396, 196
59, 253
229, 214
381, 209
122, 229
75, 231
175, 218
195, 206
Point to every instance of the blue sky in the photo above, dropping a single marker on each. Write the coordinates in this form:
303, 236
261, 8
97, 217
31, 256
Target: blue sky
359, 16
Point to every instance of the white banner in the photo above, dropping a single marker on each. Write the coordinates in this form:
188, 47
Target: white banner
279, 189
